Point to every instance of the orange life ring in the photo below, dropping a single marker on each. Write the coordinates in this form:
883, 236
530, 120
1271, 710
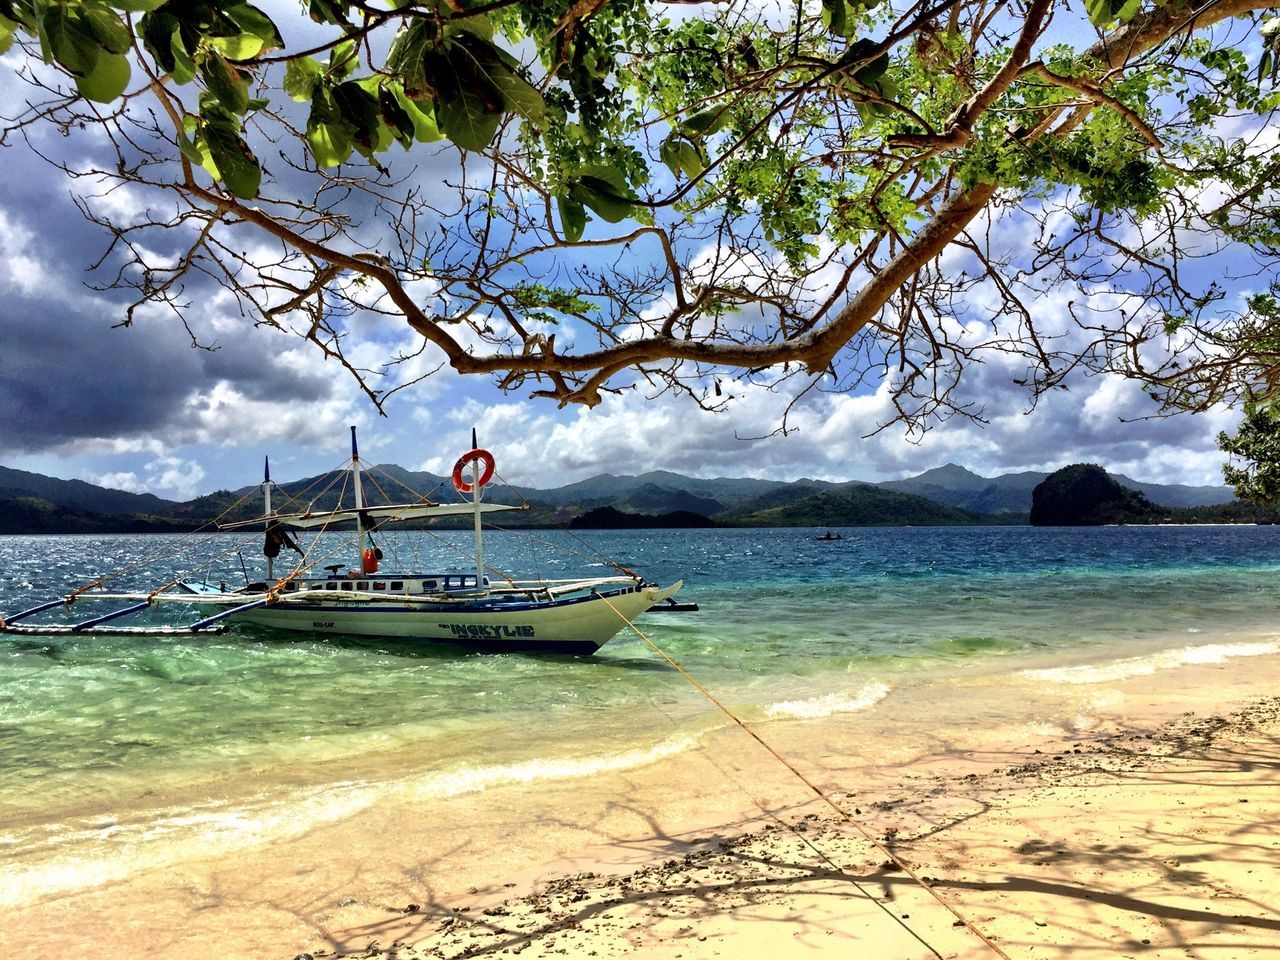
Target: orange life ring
460, 483
369, 560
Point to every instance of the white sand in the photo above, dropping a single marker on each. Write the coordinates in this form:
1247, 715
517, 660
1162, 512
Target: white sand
1134, 819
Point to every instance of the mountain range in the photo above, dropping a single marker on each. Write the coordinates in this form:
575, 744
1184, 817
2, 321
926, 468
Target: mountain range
950, 494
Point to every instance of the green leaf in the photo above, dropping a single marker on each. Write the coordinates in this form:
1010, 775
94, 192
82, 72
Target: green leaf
161, 34
182, 67
573, 218
20, 12
413, 46
605, 191
358, 109
225, 82
424, 123
469, 107
869, 73
301, 77
255, 23
615, 182
243, 47
107, 80
67, 38
329, 135
396, 118
328, 11
343, 60
157, 31
237, 166
705, 122
518, 94
193, 146
467, 120
477, 26
330, 143
7, 29
835, 15
1104, 13
107, 30
138, 6
682, 156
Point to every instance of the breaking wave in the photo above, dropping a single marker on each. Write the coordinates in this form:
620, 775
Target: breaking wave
109, 849
815, 708
1153, 663
475, 779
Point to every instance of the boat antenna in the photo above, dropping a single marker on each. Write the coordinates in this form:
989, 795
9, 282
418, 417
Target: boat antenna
266, 512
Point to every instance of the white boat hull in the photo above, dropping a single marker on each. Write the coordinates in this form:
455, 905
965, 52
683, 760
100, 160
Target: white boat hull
580, 624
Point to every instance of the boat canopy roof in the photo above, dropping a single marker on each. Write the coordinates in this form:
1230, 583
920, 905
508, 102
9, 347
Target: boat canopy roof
379, 514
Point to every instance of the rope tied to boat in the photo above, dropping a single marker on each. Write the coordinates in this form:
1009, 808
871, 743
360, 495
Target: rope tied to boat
71, 597
813, 788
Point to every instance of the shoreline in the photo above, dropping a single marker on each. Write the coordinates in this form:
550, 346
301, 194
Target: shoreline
988, 786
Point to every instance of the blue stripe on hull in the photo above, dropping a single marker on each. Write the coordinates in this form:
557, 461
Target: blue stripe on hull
575, 647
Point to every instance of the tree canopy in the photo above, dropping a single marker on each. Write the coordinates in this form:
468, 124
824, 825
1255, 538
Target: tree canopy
575, 196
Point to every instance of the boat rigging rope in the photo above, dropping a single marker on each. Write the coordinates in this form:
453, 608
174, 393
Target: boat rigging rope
209, 527
813, 788
589, 551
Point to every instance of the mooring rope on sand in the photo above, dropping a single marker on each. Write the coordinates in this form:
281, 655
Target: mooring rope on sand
814, 788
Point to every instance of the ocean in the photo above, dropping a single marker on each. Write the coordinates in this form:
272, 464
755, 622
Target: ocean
120, 754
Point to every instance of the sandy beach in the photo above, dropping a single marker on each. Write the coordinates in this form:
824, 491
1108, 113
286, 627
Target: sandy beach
1129, 843
1143, 825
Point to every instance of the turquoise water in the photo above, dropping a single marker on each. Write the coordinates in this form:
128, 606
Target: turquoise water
788, 627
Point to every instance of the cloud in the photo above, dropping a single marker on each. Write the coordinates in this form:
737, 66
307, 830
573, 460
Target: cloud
632, 434
171, 477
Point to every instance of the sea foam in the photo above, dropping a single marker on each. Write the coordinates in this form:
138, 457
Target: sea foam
815, 708
467, 779
100, 853
1153, 663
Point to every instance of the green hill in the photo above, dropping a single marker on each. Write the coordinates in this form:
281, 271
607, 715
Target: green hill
607, 518
857, 505
78, 495
1084, 494
35, 515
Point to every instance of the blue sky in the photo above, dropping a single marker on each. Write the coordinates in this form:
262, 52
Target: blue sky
141, 408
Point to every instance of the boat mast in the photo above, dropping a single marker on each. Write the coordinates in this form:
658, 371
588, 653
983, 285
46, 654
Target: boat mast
355, 481
266, 509
475, 500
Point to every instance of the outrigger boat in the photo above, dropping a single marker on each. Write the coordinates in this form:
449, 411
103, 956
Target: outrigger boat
470, 608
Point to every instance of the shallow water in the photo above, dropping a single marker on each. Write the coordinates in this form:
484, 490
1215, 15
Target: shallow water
169, 746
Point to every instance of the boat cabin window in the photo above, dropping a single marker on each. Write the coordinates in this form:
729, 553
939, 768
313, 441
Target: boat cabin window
348, 585
362, 585
397, 584
430, 585
378, 585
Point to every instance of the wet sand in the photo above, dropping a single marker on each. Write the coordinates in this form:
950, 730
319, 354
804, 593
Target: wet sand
1139, 820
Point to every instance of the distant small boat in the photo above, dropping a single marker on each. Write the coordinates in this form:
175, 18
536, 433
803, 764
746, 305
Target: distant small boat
468, 608
829, 536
